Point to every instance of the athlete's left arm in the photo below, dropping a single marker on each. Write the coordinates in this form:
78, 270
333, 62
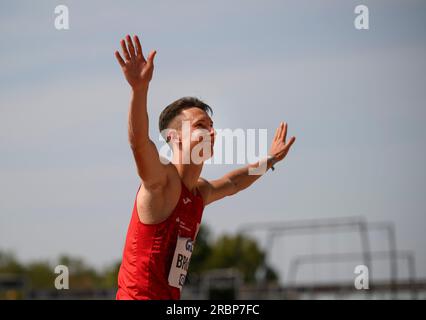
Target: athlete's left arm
237, 180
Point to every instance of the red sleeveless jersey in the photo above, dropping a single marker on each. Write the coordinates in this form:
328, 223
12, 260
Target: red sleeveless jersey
156, 256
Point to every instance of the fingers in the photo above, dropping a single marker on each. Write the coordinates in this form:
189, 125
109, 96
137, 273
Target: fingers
131, 47
281, 154
285, 131
277, 134
281, 136
131, 51
125, 51
282, 131
139, 52
151, 57
289, 144
120, 59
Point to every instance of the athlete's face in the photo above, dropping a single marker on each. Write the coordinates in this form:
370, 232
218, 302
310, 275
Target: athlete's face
196, 130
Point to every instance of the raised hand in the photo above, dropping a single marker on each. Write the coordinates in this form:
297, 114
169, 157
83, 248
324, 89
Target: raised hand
136, 69
279, 147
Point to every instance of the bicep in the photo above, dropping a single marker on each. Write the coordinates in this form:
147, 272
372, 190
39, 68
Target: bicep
217, 189
149, 167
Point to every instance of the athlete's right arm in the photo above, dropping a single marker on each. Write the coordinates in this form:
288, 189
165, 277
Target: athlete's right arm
138, 73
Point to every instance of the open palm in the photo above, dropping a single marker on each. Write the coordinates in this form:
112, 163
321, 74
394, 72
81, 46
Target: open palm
137, 70
280, 147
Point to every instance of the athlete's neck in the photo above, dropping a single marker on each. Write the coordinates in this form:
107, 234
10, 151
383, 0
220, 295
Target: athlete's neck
189, 174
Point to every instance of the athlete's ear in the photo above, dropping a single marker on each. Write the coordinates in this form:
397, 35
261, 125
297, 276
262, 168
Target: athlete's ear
173, 136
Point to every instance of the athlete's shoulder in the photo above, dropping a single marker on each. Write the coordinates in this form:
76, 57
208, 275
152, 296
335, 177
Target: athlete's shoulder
202, 182
204, 187
155, 206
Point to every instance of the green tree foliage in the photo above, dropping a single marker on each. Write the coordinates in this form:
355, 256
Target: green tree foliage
239, 251
228, 251
202, 251
9, 264
110, 276
81, 275
40, 275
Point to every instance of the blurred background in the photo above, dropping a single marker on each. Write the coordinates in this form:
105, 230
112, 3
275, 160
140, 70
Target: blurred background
351, 191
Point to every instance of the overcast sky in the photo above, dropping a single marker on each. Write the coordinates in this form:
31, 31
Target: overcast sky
355, 100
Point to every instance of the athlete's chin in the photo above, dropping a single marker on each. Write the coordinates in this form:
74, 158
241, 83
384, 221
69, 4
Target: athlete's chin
207, 157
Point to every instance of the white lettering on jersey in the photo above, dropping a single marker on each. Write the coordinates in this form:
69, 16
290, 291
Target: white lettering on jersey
180, 263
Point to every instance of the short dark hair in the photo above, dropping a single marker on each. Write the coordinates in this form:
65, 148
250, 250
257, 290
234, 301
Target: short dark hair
175, 108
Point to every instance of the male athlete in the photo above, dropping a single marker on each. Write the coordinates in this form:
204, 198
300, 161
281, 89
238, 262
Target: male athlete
171, 197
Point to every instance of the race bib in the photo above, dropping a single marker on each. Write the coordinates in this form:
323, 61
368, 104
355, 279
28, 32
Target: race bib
180, 263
